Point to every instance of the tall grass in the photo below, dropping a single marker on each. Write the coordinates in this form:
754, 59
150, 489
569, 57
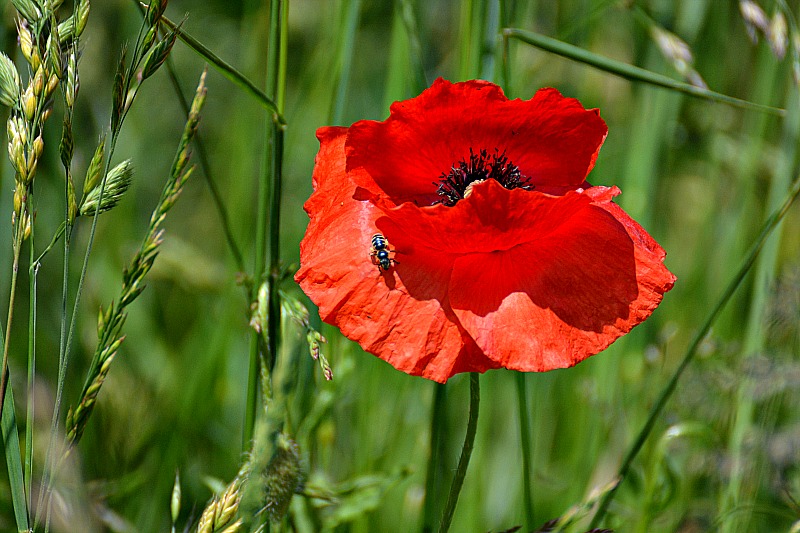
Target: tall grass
688, 423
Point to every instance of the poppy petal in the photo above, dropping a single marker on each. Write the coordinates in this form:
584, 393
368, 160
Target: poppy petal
555, 301
397, 315
552, 139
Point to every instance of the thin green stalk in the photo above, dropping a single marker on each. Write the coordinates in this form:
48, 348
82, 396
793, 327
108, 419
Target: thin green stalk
268, 215
11, 298
505, 69
213, 188
744, 415
409, 19
631, 72
466, 452
274, 320
126, 87
33, 271
351, 12
525, 447
465, 30
7, 415
226, 69
276, 187
769, 226
432, 477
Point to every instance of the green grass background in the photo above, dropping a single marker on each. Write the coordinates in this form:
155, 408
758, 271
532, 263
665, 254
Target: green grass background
700, 177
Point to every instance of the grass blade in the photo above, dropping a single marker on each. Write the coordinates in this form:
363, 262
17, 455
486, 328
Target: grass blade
631, 72
14, 461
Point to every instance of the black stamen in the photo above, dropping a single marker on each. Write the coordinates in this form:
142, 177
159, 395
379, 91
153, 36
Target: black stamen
453, 186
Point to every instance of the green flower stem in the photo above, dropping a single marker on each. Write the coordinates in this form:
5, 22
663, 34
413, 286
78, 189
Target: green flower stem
630, 72
525, 445
691, 351
466, 452
432, 479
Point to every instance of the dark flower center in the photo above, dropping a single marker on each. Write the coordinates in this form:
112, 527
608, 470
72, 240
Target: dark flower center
457, 184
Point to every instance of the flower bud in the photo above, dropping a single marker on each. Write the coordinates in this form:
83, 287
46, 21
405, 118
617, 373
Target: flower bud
31, 170
25, 40
38, 81
19, 196
29, 103
26, 225
52, 83
72, 203
38, 147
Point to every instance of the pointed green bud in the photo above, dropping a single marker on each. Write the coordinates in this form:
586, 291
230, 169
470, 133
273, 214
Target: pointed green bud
117, 182
9, 82
158, 55
95, 170
175, 500
72, 202
28, 10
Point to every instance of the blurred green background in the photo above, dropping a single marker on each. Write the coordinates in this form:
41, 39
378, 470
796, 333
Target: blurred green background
700, 177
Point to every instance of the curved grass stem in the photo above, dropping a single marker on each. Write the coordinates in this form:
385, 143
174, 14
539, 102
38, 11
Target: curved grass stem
750, 259
631, 72
466, 452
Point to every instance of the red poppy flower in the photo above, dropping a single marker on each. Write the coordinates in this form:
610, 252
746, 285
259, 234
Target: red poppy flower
495, 251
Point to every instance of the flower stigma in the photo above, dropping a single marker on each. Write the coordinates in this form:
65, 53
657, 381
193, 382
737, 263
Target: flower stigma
457, 184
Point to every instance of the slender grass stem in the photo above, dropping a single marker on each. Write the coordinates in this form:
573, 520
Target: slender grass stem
213, 188
466, 452
750, 259
33, 271
465, 31
525, 446
11, 299
268, 216
225, 69
631, 72
351, 13
432, 477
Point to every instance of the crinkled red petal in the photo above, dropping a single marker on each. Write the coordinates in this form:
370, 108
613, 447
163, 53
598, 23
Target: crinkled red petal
402, 315
564, 295
491, 219
552, 139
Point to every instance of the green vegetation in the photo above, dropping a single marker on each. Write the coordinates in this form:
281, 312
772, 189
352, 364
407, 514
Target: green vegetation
176, 350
